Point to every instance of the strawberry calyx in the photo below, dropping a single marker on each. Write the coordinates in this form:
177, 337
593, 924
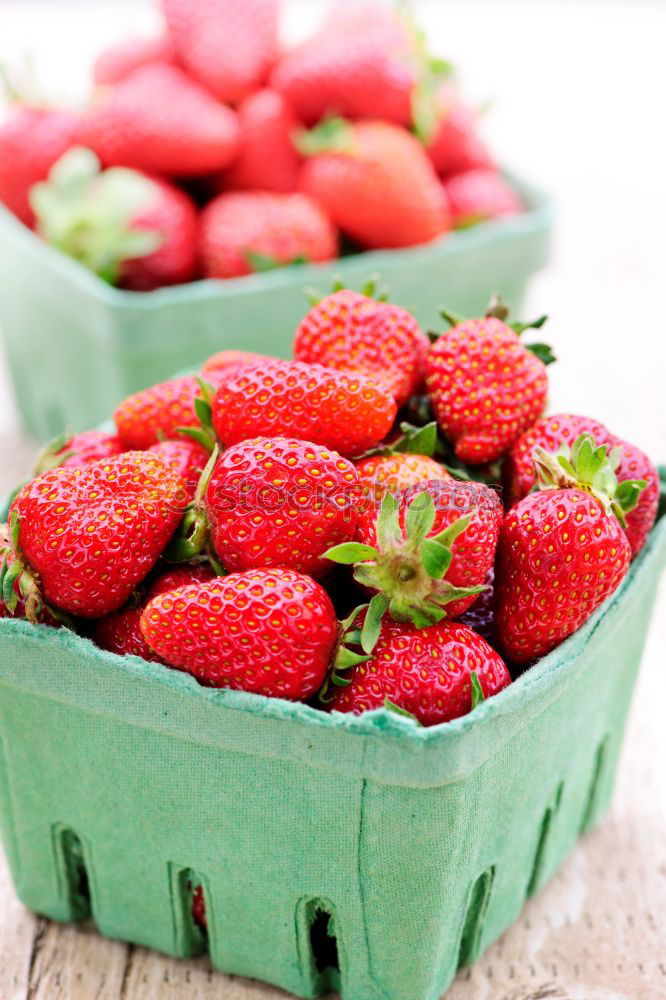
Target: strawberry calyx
371, 288
332, 135
477, 691
88, 212
407, 568
203, 408
498, 309
193, 535
18, 573
588, 466
52, 454
344, 658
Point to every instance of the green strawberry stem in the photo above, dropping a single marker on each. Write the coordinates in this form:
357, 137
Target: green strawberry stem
477, 691
344, 658
371, 288
588, 467
193, 535
407, 569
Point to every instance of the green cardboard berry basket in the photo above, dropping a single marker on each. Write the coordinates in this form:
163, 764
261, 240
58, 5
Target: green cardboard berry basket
363, 854
76, 346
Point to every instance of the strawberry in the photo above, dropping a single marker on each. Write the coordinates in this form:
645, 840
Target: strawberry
31, 141
186, 457
375, 182
280, 502
120, 632
562, 429
485, 387
157, 412
562, 550
479, 196
248, 231
122, 58
86, 537
394, 473
131, 229
71, 451
435, 674
229, 46
44, 615
429, 551
267, 160
347, 412
351, 331
270, 631
455, 146
361, 63
218, 366
160, 121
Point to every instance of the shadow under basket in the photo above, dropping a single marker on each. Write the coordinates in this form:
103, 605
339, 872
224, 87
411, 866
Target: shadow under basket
76, 347
363, 854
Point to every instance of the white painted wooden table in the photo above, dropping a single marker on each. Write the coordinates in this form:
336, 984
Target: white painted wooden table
578, 105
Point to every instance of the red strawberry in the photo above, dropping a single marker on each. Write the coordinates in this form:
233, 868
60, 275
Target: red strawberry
160, 121
218, 366
376, 183
120, 632
480, 195
248, 231
382, 474
486, 388
428, 553
40, 614
562, 429
186, 457
267, 160
352, 332
87, 536
455, 145
156, 413
130, 229
562, 551
123, 58
349, 413
270, 631
426, 672
280, 502
361, 64
31, 141
71, 451
229, 46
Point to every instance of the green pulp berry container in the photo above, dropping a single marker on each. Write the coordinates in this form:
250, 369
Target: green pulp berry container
76, 346
363, 854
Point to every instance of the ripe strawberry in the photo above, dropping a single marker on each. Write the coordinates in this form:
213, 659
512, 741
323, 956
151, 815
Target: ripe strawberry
160, 121
479, 196
72, 451
229, 46
248, 231
122, 58
186, 457
120, 632
426, 672
280, 502
376, 183
562, 429
455, 145
270, 631
485, 387
382, 474
340, 410
428, 553
31, 141
157, 412
562, 551
130, 229
267, 160
86, 537
353, 332
219, 366
360, 63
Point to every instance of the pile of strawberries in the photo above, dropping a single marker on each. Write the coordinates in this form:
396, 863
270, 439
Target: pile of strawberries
212, 151
388, 520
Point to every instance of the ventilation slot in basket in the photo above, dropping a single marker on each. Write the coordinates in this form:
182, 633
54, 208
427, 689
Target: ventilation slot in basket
592, 803
322, 944
191, 911
475, 916
72, 872
544, 833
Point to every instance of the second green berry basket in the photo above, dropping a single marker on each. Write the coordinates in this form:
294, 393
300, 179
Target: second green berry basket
334, 851
76, 346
